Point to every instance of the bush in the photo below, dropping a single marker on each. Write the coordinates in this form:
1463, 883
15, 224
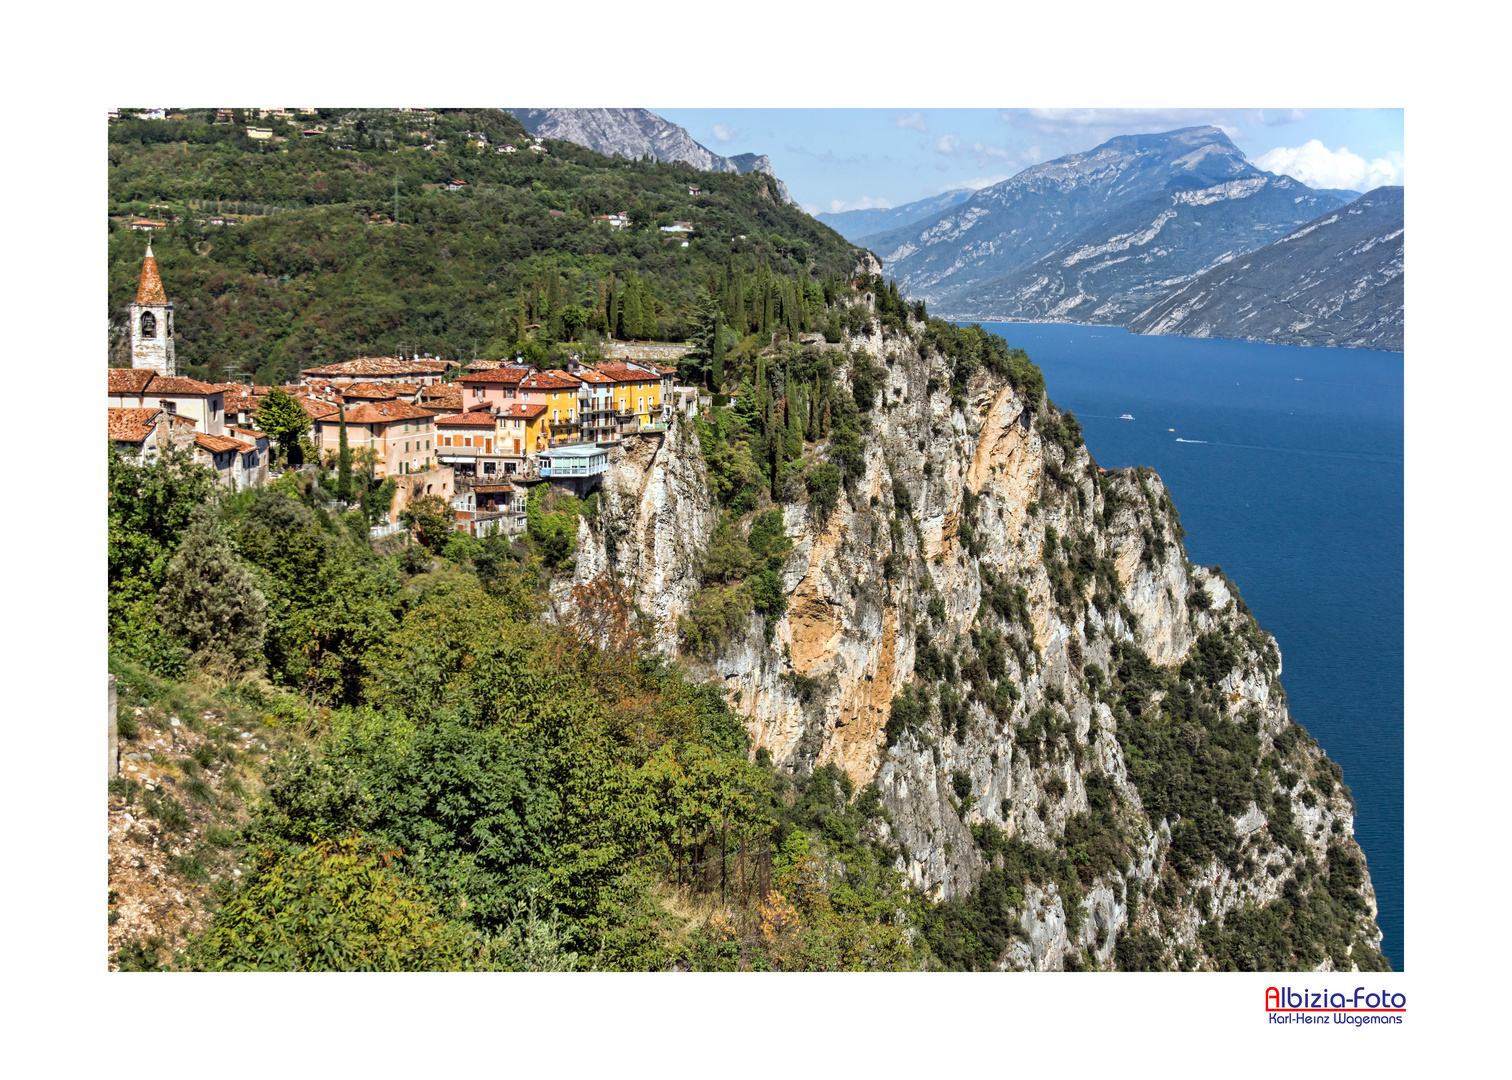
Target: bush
823, 482
717, 616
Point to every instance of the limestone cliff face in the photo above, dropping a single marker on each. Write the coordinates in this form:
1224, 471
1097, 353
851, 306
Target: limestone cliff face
996, 496
655, 516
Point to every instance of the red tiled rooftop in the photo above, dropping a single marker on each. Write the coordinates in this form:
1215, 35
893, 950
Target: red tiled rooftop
129, 425
621, 372
381, 365
551, 380
523, 411
148, 382
472, 419
129, 380
508, 375
218, 445
386, 412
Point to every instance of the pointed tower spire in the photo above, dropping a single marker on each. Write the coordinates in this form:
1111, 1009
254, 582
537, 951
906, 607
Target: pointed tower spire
150, 291
152, 321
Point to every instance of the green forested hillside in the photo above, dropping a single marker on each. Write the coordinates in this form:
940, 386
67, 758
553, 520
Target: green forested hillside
316, 271
455, 783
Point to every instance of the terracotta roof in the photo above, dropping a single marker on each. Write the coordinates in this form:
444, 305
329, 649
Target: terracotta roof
150, 291
130, 425
443, 396
245, 434
381, 365
376, 391
386, 412
527, 412
240, 403
588, 375
551, 380
317, 409
622, 373
219, 445
148, 381
509, 375
178, 385
472, 419
130, 380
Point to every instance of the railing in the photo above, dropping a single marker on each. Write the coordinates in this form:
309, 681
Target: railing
386, 530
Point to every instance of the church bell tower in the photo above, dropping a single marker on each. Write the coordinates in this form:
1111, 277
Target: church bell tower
152, 322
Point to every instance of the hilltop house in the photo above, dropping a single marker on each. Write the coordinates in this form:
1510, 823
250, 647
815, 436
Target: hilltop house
143, 388
558, 391
401, 434
496, 387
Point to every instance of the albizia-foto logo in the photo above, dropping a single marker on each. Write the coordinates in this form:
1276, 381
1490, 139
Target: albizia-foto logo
1362, 1007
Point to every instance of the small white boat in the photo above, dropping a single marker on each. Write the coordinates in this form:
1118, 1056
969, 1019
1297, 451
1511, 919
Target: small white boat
1126, 416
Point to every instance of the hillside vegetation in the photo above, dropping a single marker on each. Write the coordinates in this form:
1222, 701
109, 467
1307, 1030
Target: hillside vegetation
314, 270
391, 762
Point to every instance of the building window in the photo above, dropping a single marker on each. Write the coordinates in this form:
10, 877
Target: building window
149, 325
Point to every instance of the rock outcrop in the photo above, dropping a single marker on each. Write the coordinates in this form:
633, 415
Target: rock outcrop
634, 133
1086, 696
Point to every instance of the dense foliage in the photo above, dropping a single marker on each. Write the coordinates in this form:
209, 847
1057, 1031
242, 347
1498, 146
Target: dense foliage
314, 269
471, 787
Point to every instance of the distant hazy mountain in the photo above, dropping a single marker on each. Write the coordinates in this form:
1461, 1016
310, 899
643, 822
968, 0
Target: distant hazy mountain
856, 224
1047, 207
634, 133
1120, 264
1336, 281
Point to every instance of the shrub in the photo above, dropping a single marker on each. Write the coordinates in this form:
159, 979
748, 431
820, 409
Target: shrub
717, 615
823, 482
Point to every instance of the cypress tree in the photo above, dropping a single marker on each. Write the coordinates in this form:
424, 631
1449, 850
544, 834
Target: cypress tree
648, 310
716, 362
632, 310
343, 462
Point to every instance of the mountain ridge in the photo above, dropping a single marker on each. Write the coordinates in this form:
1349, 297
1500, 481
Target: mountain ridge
1338, 280
854, 225
634, 133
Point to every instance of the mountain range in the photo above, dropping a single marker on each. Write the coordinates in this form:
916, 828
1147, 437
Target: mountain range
855, 224
1338, 280
634, 133
1106, 235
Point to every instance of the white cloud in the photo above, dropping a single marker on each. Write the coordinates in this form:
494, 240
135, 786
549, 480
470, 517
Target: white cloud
948, 144
1317, 166
976, 183
724, 132
865, 202
912, 121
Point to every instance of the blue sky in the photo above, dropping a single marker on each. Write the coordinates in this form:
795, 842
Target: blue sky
844, 159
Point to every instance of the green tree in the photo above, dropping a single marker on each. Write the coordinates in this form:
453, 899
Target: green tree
331, 907
343, 463
432, 517
574, 319
282, 417
210, 600
823, 482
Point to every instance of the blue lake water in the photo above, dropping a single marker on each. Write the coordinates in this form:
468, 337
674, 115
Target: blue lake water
1286, 465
